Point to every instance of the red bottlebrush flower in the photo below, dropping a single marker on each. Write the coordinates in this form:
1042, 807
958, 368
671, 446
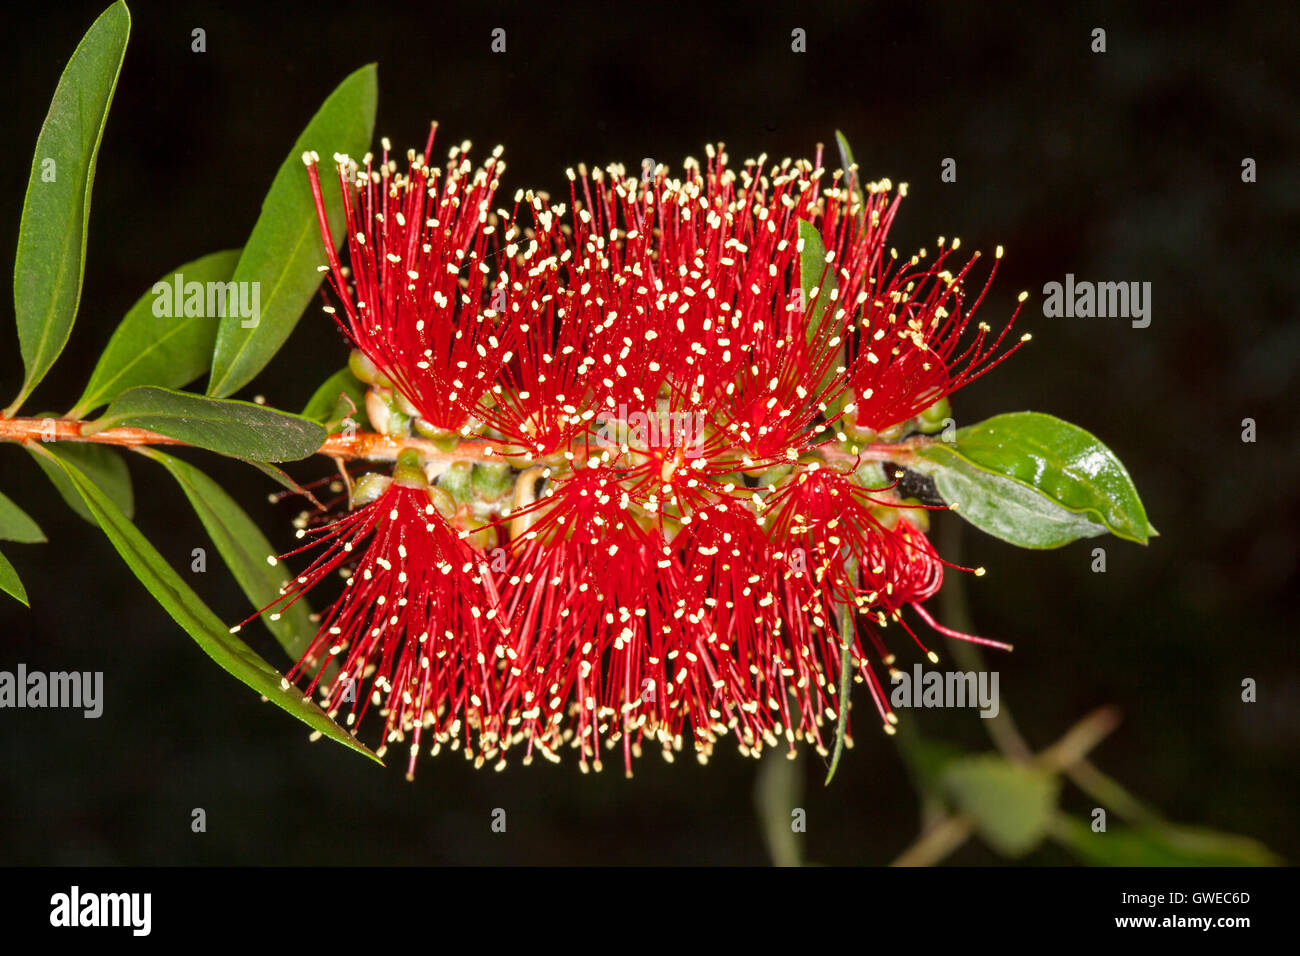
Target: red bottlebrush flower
702, 550
414, 619
428, 311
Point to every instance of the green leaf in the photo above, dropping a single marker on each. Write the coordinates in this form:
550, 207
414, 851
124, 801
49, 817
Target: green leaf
169, 351
15, 525
327, 407
1003, 507
847, 632
239, 429
820, 317
848, 162
10, 583
245, 551
1161, 844
198, 620
812, 265
50, 261
1035, 481
103, 465
1011, 805
285, 248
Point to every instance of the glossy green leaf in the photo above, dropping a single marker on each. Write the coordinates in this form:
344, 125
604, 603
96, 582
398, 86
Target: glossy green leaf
1035, 481
15, 525
1011, 805
239, 429
327, 407
169, 351
1002, 506
50, 260
245, 550
10, 582
1160, 845
198, 620
284, 249
103, 465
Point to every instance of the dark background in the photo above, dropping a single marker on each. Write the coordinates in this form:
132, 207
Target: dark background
1120, 166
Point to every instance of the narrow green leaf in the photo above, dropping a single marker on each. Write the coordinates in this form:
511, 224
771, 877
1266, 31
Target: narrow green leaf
848, 162
818, 314
10, 582
103, 465
1012, 806
327, 407
284, 249
812, 265
15, 525
1083, 486
847, 633
198, 620
50, 259
245, 551
239, 429
1160, 845
169, 350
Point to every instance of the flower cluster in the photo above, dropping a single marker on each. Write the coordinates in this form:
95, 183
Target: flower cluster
551, 568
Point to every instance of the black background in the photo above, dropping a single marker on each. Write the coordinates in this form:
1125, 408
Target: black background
1120, 166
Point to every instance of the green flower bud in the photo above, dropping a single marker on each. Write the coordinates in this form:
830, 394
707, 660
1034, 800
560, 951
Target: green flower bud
931, 420
455, 480
369, 487
491, 482
365, 370
409, 472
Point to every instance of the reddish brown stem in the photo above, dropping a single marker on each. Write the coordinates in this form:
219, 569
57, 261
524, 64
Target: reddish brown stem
368, 445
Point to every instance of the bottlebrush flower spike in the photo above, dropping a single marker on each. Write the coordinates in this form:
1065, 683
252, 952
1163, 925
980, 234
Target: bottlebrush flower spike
415, 619
690, 551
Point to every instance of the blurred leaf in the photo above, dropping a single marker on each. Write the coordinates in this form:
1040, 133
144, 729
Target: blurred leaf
168, 351
926, 758
1035, 481
10, 582
326, 407
15, 525
1160, 845
1011, 805
245, 550
226, 426
50, 260
776, 796
103, 465
189, 611
285, 247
